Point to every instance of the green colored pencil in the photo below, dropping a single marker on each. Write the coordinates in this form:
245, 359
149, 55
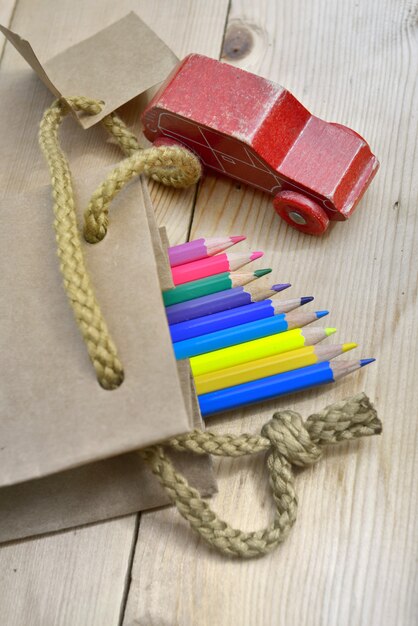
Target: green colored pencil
209, 285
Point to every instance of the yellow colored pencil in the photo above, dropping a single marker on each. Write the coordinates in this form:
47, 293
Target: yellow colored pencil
269, 366
257, 349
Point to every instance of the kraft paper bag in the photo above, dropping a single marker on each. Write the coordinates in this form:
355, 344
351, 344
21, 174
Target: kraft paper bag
108, 488
111, 487
115, 65
126, 260
53, 413
67, 467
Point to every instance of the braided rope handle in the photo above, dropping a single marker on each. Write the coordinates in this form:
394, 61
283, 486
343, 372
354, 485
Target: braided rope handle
173, 166
170, 165
288, 441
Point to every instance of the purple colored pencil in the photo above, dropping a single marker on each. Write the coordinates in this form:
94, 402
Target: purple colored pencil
200, 249
221, 301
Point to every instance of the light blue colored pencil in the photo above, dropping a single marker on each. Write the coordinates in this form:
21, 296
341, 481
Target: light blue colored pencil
246, 332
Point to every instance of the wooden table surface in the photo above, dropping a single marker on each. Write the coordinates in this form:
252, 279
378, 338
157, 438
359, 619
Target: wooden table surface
351, 557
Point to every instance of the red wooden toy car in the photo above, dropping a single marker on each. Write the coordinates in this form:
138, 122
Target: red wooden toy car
253, 130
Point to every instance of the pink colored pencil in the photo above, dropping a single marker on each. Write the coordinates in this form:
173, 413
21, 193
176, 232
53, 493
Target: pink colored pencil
226, 262
200, 249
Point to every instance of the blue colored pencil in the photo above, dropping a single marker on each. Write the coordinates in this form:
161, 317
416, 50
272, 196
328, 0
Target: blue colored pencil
233, 317
245, 332
221, 301
275, 386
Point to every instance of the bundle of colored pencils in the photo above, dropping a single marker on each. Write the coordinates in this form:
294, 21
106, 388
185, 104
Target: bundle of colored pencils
244, 345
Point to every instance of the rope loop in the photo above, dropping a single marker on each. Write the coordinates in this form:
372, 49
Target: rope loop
170, 165
288, 441
77, 284
173, 165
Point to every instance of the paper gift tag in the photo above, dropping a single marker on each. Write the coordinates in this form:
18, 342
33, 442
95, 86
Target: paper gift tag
115, 65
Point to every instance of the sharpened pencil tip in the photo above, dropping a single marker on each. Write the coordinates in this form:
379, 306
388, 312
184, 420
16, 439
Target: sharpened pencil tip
348, 346
256, 255
306, 299
320, 314
364, 362
259, 273
238, 238
330, 331
281, 286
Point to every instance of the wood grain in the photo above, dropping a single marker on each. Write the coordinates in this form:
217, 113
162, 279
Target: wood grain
80, 577
6, 12
73, 577
351, 558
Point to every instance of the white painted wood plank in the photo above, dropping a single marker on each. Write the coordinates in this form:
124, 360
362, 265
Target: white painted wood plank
78, 577
6, 12
351, 558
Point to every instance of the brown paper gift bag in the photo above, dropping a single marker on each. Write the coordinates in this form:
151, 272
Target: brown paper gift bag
67, 445
46, 440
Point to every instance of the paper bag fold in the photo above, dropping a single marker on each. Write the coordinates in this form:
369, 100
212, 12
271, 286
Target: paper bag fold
114, 65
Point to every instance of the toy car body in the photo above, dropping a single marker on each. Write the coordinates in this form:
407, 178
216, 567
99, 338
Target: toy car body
253, 130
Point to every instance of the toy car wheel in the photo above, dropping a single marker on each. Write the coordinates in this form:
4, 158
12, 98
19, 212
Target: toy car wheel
301, 212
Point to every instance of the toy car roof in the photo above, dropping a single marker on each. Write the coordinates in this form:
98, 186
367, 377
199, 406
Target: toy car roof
228, 99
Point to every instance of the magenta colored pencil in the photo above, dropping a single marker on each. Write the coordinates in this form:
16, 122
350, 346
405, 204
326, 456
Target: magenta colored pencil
200, 249
225, 262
